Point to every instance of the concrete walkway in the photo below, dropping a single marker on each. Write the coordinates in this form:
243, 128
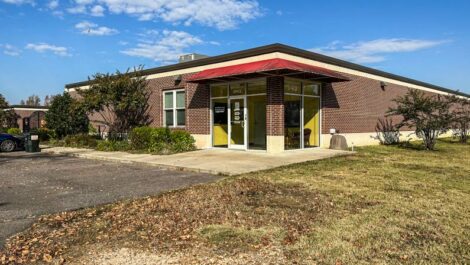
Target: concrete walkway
213, 161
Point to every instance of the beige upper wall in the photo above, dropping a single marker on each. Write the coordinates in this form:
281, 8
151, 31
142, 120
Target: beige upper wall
287, 57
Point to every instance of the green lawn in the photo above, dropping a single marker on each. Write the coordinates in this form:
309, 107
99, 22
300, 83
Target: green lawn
386, 204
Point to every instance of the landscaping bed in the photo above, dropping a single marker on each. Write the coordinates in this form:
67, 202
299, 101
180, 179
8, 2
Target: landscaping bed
161, 141
386, 204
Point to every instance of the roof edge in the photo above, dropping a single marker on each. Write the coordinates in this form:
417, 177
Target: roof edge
278, 47
27, 107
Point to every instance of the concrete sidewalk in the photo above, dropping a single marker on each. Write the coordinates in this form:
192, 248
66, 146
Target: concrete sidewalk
213, 161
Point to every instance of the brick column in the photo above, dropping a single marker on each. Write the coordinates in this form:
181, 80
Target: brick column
198, 113
275, 114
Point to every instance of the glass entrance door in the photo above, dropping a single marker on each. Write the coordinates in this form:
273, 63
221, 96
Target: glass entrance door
237, 130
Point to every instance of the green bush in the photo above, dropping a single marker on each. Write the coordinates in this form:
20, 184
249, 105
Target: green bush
81, 140
14, 131
182, 141
56, 142
161, 140
140, 138
110, 146
44, 134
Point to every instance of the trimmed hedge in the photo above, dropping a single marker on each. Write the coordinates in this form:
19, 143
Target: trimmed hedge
161, 140
182, 141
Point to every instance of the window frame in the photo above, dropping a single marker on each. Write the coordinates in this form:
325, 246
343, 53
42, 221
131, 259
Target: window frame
175, 108
302, 122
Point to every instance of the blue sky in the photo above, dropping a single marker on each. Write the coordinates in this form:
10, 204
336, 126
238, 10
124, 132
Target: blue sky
46, 44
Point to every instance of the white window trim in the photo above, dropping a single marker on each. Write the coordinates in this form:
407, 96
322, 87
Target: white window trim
174, 108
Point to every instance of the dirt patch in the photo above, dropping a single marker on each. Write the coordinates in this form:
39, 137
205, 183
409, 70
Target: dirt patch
201, 255
174, 221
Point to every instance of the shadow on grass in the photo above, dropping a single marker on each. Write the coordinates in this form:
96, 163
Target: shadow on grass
419, 146
452, 141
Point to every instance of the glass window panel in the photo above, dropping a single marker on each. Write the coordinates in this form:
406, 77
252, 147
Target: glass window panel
219, 90
256, 106
292, 86
256, 87
292, 110
311, 122
181, 117
168, 100
180, 100
311, 88
220, 123
237, 89
169, 118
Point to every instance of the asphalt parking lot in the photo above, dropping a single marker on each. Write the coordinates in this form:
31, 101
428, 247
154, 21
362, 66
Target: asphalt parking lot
35, 184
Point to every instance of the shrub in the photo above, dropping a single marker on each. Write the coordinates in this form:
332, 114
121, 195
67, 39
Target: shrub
44, 134
81, 140
387, 133
14, 131
160, 141
182, 141
153, 140
140, 138
112, 145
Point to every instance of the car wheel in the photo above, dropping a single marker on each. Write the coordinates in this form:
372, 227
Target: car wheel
7, 146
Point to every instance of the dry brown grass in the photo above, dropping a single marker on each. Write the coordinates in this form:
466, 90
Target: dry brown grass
384, 205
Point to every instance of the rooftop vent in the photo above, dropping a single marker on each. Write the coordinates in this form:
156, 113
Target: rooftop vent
191, 57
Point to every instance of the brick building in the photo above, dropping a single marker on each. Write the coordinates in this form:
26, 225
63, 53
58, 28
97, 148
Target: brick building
273, 98
30, 117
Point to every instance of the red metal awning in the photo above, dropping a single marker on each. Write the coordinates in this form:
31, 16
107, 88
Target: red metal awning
267, 68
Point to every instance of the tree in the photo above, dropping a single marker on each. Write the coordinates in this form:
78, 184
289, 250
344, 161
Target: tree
461, 117
48, 99
120, 100
429, 116
66, 116
8, 117
32, 100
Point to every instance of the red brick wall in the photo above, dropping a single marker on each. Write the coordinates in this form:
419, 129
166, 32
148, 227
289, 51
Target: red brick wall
350, 107
34, 122
355, 106
275, 106
197, 103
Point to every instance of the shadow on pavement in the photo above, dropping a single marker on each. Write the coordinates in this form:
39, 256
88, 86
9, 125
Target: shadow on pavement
21, 155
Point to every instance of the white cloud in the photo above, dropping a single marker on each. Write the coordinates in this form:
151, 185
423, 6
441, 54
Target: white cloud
78, 9
374, 51
44, 47
92, 29
221, 14
18, 2
97, 11
164, 47
10, 50
53, 4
